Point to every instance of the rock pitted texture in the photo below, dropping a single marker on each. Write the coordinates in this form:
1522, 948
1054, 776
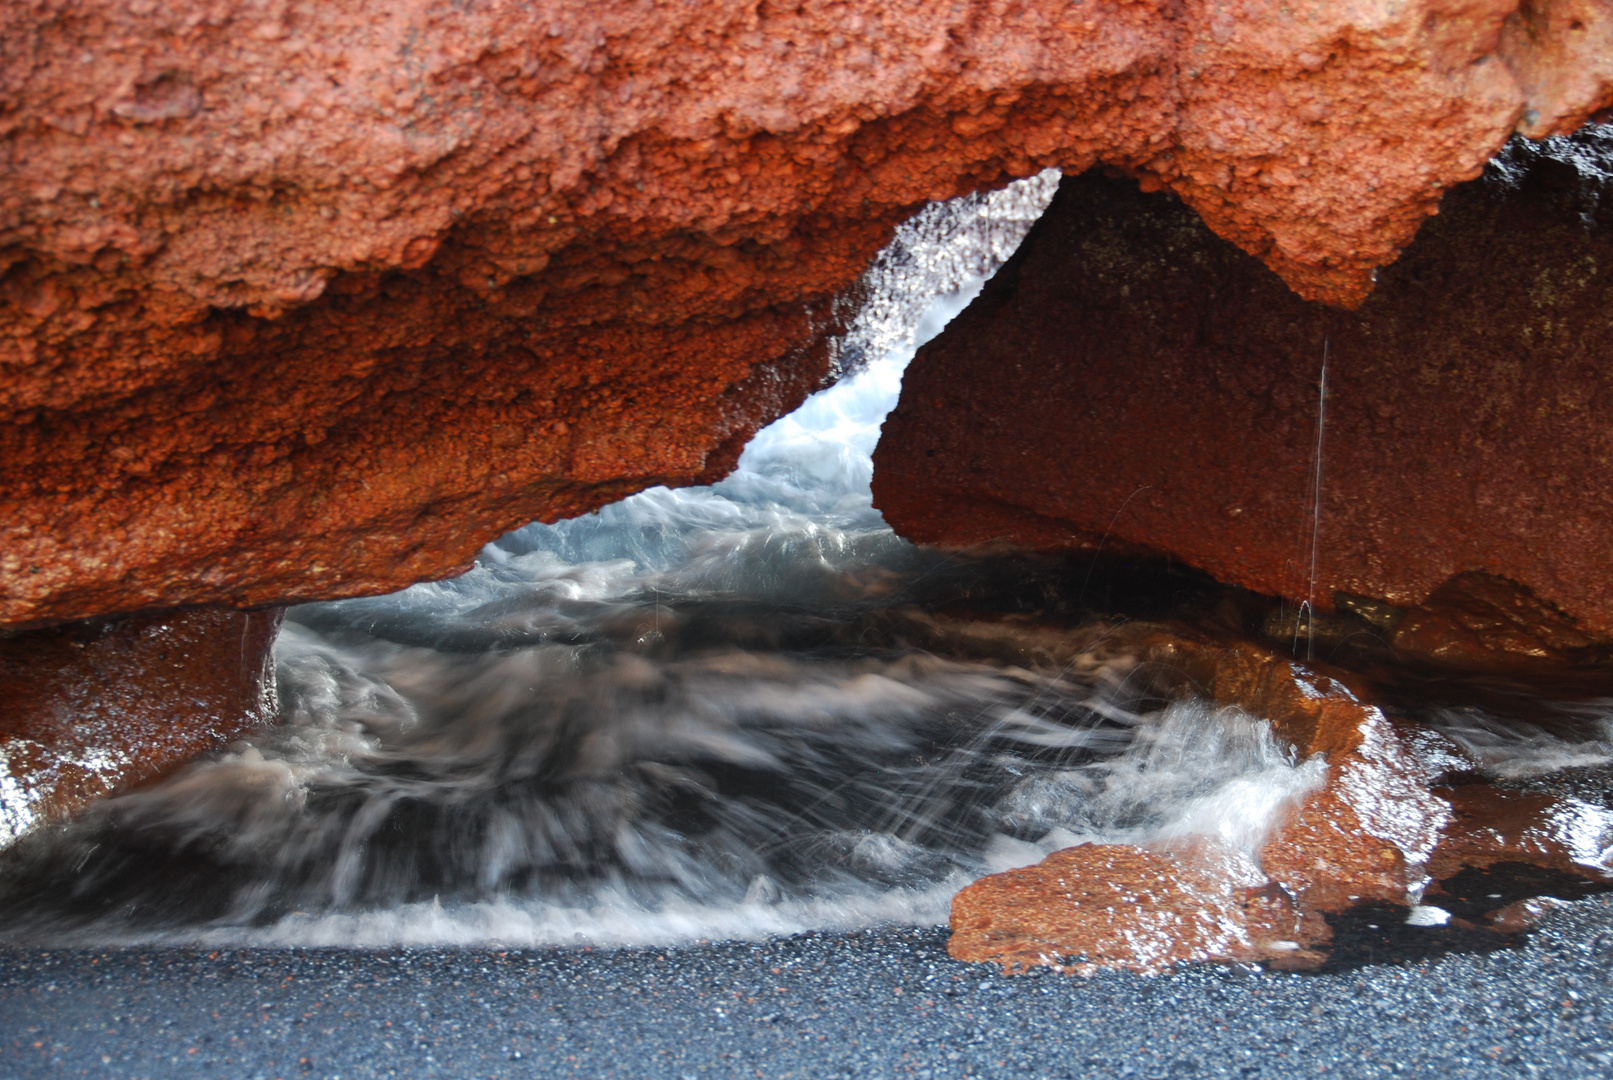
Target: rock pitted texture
1366, 832
311, 299
1113, 905
1382, 833
1131, 380
88, 709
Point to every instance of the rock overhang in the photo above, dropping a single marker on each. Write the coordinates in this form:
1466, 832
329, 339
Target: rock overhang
311, 301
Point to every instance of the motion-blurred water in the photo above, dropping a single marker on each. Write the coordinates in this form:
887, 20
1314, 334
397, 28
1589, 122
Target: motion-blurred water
717, 712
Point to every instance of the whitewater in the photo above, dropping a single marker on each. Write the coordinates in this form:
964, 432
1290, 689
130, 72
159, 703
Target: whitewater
728, 712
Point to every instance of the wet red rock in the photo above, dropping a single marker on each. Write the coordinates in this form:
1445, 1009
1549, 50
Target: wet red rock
1482, 621
1317, 713
1132, 382
96, 707
1112, 905
311, 300
1368, 833
1491, 825
1376, 833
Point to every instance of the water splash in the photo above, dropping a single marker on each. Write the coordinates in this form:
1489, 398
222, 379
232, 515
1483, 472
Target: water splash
624, 791
713, 712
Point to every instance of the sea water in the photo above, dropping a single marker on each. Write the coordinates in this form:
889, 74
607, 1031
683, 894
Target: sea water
723, 712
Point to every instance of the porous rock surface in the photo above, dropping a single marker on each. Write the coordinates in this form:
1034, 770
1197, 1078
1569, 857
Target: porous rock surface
1131, 381
1114, 905
311, 299
1382, 831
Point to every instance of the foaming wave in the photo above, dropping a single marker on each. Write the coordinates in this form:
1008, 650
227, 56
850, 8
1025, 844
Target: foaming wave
607, 919
1564, 750
719, 712
621, 794
1576, 735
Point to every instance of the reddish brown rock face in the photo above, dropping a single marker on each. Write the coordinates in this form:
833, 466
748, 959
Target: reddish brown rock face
1478, 620
1364, 836
1376, 832
1367, 834
1110, 905
1131, 381
310, 300
88, 709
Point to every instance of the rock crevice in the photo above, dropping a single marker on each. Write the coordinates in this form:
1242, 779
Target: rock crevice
1133, 382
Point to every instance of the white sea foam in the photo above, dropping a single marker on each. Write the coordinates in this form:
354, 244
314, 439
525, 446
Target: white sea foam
708, 713
538, 794
1511, 750
607, 919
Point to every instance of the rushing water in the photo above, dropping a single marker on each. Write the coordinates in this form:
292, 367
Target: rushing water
719, 712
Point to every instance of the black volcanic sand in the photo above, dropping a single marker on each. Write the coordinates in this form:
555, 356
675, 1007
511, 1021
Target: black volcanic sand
885, 1003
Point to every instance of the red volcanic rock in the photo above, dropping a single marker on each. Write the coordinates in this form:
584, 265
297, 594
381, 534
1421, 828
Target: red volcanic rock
1365, 836
1478, 620
1131, 381
101, 705
1111, 905
311, 299
1494, 825
1376, 832
1368, 834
